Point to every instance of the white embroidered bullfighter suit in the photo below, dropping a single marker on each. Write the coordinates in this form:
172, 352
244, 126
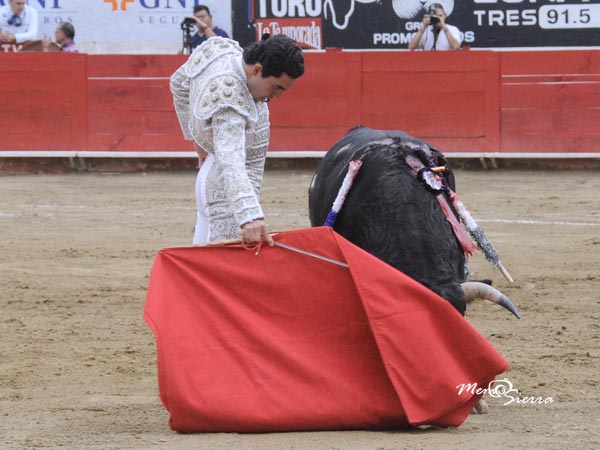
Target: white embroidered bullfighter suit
216, 109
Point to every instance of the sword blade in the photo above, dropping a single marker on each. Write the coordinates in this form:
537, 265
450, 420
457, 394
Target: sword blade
314, 255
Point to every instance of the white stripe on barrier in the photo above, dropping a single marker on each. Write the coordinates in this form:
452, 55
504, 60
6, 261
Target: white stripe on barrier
551, 82
540, 75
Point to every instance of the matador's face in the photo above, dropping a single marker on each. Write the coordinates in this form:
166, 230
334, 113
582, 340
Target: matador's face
264, 89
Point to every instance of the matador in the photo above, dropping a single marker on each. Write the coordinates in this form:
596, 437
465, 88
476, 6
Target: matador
220, 95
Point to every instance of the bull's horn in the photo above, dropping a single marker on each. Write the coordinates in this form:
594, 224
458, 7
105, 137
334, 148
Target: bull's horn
474, 289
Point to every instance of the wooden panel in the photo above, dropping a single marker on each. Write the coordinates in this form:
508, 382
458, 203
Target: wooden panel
308, 112
540, 143
323, 105
27, 122
551, 131
162, 122
167, 142
550, 62
133, 65
543, 95
425, 62
457, 144
554, 122
37, 62
130, 107
442, 96
551, 101
34, 99
43, 101
434, 100
325, 75
546, 101
101, 122
78, 86
313, 139
428, 84
115, 142
428, 124
119, 97
34, 141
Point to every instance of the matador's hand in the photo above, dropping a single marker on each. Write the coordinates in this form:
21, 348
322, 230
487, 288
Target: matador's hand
253, 232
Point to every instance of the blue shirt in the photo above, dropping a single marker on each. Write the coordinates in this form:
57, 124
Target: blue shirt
197, 39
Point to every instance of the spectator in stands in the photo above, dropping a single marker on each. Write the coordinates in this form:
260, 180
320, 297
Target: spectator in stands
220, 95
64, 34
435, 33
18, 22
205, 26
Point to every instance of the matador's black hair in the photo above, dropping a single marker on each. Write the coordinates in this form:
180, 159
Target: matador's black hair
277, 54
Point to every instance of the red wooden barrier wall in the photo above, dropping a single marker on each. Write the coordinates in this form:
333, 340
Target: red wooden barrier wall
42, 101
550, 101
450, 99
130, 107
322, 106
467, 101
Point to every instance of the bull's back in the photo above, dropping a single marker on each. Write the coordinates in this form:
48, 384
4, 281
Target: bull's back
330, 173
388, 212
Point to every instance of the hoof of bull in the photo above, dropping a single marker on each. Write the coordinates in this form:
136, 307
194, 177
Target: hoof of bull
481, 407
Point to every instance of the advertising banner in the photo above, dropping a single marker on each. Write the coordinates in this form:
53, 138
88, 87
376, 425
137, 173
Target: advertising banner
154, 26
124, 26
390, 24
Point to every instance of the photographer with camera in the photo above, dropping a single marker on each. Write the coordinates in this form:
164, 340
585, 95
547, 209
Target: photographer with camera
435, 33
203, 21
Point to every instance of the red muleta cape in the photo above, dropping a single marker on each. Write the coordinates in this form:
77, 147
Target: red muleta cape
283, 341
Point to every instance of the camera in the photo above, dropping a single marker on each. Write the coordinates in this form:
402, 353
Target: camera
434, 20
188, 22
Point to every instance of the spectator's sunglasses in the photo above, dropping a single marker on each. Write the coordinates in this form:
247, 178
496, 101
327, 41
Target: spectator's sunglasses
15, 21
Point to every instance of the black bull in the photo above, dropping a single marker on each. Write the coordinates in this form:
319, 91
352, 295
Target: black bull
389, 212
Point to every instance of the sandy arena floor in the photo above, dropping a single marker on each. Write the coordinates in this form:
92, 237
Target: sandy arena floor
78, 364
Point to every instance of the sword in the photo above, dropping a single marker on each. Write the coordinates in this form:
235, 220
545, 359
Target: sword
279, 244
314, 255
